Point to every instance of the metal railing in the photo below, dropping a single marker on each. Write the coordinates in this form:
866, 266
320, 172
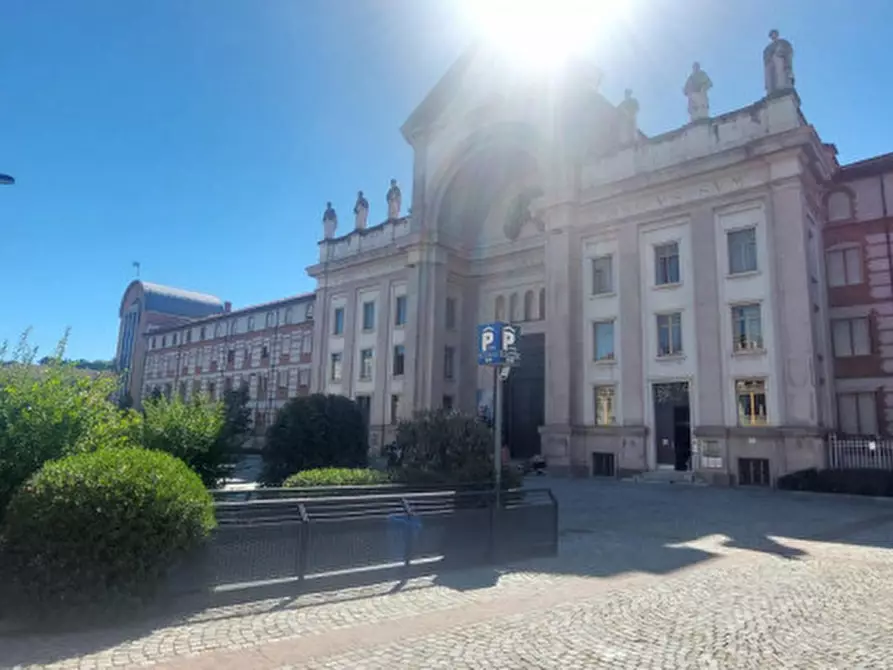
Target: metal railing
356, 537
854, 452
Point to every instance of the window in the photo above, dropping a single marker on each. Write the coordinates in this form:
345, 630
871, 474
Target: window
366, 364
308, 313
851, 337
369, 315
542, 305
164, 341
840, 206
751, 395
228, 385
451, 313
747, 328
742, 251
400, 311
231, 357
602, 275
603, 340
857, 413
449, 362
250, 323
218, 330
304, 377
666, 264
513, 308
153, 342
499, 309
264, 352
212, 390
669, 334
174, 336
395, 409
448, 402
335, 367
604, 406
288, 315
196, 388
307, 342
189, 336
338, 321
262, 386
844, 267
399, 360
282, 380
528, 305
271, 319
202, 333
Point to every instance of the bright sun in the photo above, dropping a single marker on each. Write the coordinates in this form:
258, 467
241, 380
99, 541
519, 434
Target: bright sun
543, 33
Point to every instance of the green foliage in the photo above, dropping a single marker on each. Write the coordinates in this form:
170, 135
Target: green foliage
93, 526
51, 411
440, 446
83, 364
337, 477
237, 416
193, 431
317, 431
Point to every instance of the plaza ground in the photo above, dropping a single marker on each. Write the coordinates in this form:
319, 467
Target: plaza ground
648, 576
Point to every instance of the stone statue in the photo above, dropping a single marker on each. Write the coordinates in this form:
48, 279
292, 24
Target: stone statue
778, 64
395, 198
361, 210
629, 110
329, 222
696, 87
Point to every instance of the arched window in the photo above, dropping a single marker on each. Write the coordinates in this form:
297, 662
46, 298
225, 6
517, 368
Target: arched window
528, 306
250, 323
542, 304
271, 319
513, 308
500, 308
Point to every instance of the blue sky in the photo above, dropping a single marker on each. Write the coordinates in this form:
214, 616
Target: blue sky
203, 137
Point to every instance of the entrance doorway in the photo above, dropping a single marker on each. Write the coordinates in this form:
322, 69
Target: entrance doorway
672, 425
524, 399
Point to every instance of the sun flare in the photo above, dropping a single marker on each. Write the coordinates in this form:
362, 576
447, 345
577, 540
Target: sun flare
543, 34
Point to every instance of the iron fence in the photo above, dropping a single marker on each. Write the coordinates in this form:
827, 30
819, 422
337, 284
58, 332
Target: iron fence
356, 537
847, 452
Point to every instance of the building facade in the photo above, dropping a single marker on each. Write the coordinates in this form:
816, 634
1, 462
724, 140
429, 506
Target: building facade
670, 290
859, 266
145, 306
265, 349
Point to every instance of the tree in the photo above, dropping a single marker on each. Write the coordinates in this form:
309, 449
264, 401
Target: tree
193, 431
237, 416
317, 431
51, 411
440, 446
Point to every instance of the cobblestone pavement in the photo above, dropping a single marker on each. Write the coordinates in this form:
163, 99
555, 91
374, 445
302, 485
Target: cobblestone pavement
649, 576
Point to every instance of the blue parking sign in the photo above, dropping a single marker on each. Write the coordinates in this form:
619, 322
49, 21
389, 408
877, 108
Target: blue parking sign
497, 343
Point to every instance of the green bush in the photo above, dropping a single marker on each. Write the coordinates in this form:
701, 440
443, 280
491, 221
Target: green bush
337, 477
194, 431
316, 431
439, 446
52, 410
96, 526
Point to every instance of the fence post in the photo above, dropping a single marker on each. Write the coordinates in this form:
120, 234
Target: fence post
304, 542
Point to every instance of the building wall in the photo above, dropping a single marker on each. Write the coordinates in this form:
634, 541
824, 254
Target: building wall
268, 348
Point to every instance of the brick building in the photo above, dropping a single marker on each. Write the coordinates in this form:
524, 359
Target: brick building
859, 271
266, 348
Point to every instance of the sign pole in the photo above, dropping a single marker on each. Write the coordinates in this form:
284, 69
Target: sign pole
497, 436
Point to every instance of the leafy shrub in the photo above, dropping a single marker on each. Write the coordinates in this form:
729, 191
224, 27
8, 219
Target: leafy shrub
337, 477
439, 446
316, 431
53, 410
858, 481
94, 526
194, 431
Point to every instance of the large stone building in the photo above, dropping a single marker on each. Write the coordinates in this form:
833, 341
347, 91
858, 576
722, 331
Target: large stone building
264, 348
670, 289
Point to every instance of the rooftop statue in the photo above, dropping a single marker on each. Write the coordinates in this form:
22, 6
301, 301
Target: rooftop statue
778, 64
696, 87
329, 222
395, 198
629, 110
361, 210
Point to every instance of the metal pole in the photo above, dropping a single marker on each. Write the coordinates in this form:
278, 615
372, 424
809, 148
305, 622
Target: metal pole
497, 436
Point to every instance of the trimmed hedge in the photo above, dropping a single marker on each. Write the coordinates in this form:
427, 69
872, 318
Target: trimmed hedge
96, 527
337, 477
863, 481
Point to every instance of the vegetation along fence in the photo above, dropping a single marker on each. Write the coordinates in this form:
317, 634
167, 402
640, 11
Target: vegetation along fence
282, 535
846, 453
